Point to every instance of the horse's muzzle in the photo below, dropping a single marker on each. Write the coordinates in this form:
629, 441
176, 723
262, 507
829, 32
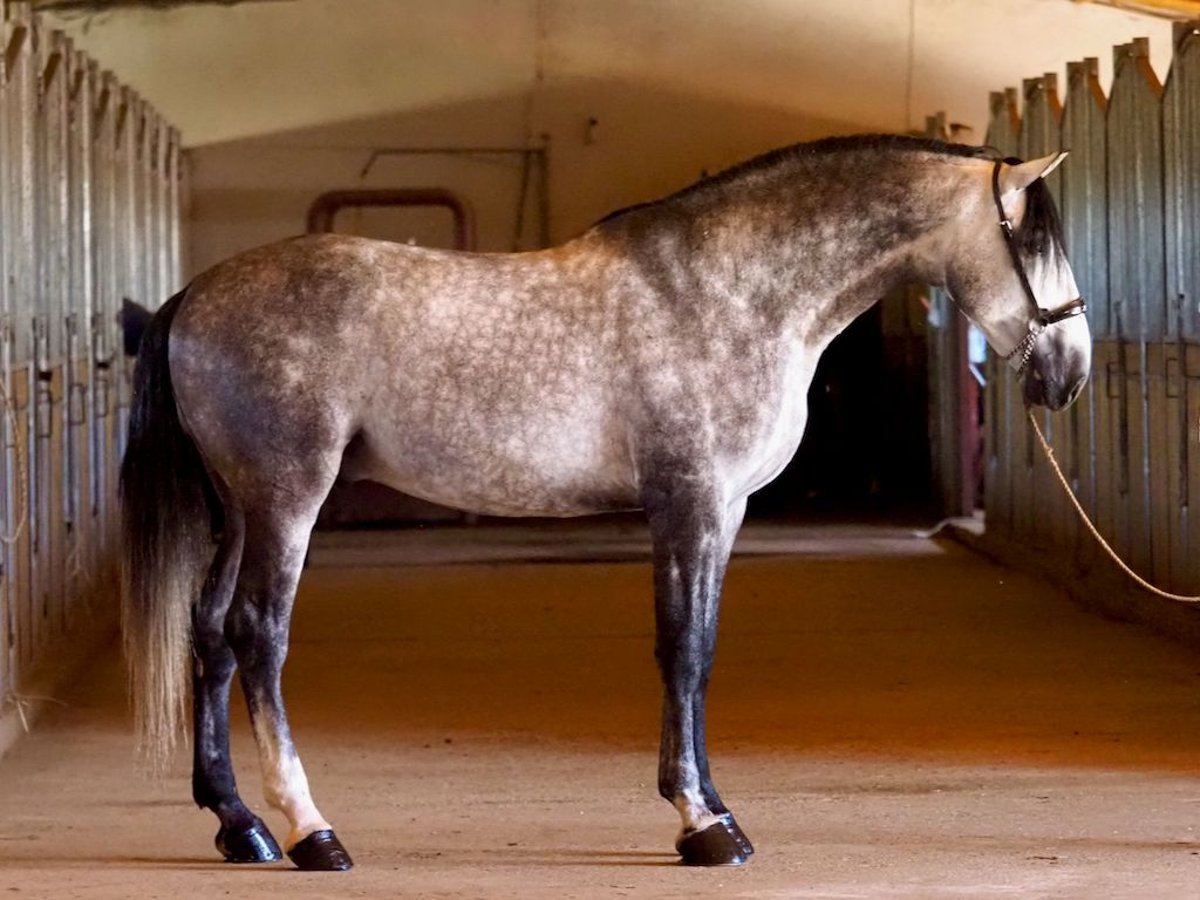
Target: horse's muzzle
1052, 386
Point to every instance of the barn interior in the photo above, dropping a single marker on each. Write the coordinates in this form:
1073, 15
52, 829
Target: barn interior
931, 680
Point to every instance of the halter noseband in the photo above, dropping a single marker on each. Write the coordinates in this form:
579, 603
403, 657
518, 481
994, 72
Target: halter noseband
1042, 319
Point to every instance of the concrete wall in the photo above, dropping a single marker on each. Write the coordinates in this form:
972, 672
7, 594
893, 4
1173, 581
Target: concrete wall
279, 101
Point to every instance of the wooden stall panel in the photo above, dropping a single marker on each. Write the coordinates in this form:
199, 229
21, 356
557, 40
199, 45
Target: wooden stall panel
1051, 520
1130, 199
1003, 404
1190, 561
1084, 206
1136, 273
1181, 188
1164, 393
1175, 513
1181, 179
1110, 466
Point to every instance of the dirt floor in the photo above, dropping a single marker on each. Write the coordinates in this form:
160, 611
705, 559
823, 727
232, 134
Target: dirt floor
890, 717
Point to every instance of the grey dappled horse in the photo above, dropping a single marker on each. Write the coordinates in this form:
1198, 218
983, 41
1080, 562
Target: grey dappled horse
659, 361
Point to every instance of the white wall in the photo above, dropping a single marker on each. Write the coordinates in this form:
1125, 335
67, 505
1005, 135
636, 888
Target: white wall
281, 100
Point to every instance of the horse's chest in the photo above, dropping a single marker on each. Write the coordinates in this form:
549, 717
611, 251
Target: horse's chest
771, 437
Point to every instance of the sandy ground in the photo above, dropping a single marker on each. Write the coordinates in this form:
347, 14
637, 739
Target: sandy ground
890, 717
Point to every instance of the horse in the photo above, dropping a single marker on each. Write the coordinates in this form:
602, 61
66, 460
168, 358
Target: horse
658, 361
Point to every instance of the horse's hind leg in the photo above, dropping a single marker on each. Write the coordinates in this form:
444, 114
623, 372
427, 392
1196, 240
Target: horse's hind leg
277, 536
692, 529
243, 837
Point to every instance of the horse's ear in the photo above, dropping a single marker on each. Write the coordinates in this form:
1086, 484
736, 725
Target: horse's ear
1018, 177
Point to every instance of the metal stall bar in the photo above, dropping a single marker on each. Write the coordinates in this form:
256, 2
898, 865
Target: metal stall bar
163, 280
127, 271
22, 275
53, 260
107, 110
133, 158
9, 506
1085, 226
81, 558
148, 292
173, 175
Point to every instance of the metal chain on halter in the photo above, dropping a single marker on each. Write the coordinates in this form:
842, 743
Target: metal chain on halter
1023, 351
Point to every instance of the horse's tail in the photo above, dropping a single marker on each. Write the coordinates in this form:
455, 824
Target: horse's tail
167, 513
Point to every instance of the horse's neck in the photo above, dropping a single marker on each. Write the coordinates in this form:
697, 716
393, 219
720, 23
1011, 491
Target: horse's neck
816, 253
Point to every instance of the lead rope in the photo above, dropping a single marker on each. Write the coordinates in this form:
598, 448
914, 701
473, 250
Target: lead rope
1179, 598
22, 473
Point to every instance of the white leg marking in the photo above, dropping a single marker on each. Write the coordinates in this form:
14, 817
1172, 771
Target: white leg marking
693, 811
285, 785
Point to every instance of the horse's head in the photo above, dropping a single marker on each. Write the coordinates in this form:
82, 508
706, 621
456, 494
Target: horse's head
1009, 273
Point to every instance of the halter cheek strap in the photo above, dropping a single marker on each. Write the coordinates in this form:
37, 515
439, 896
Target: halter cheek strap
1042, 319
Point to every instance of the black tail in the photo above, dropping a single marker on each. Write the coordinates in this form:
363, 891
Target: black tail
166, 500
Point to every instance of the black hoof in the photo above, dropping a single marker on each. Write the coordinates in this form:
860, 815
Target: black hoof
321, 851
248, 845
714, 846
738, 834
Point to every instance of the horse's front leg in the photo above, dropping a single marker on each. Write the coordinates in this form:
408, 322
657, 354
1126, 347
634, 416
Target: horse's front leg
692, 528
258, 628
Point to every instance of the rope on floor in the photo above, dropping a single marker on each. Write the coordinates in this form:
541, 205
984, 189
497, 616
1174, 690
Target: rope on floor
21, 701
1179, 598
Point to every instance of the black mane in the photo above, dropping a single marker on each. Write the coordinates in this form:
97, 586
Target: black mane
1040, 229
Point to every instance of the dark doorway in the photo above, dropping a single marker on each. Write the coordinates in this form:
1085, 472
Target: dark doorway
866, 448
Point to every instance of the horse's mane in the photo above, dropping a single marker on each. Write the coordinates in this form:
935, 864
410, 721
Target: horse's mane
1039, 232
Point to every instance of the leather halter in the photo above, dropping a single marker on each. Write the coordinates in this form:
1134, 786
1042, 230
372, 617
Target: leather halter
1042, 319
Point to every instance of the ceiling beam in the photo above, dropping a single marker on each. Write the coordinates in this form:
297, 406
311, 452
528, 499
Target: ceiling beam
1167, 9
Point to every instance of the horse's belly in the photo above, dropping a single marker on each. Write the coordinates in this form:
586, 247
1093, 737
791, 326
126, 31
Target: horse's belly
563, 472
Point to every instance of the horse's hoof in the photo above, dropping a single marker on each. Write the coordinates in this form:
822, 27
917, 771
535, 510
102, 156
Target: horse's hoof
738, 834
321, 851
714, 846
248, 845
